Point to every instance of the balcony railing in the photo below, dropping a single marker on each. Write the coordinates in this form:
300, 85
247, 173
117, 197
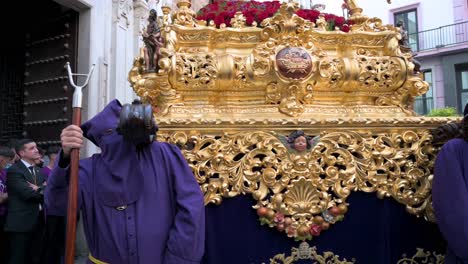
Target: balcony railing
439, 37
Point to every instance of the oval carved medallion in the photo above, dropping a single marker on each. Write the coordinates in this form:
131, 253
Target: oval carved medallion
294, 63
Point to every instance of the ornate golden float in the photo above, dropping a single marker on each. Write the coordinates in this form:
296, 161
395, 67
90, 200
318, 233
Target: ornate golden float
235, 99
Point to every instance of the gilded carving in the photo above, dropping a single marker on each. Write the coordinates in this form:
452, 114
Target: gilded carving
355, 12
422, 256
380, 73
238, 21
196, 71
260, 83
184, 15
196, 36
240, 72
333, 70
162, 95
404, 96
290, 103
246, 66
306, 252
303, 191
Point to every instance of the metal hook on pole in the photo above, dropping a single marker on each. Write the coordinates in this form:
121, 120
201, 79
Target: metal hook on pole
74, 167
78, 94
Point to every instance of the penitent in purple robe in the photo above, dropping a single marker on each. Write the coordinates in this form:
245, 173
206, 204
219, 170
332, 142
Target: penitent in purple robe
139, 206
450, 198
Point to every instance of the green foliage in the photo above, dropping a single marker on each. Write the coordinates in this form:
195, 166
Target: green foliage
446, 111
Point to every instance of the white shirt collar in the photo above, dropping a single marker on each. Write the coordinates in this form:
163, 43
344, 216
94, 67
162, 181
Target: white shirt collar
27, 164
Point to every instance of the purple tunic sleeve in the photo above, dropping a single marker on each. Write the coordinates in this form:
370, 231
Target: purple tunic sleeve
450, 196
187, 235
56, 193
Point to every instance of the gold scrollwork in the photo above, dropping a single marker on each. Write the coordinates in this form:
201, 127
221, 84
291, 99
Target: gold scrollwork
422, 256
162, 95
306, 252
306, 187
184, 15
404, 96
242, 69
239, 20
333, 70
195, 71
380, 73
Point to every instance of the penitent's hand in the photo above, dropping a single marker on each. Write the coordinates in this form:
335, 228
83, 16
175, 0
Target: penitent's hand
71, 137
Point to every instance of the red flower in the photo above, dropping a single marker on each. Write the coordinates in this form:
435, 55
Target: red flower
221, 11
249, 19
329, 17
345, 28
262, 16
218, 20
339, 21
213, 7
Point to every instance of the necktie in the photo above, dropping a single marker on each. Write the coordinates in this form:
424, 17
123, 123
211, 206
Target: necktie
31, 169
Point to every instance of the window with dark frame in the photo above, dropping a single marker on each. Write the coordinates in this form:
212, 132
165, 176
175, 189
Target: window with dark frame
462, 86
424, 104
410, 21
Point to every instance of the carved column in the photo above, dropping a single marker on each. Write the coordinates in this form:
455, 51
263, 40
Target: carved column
122, 46
140, 16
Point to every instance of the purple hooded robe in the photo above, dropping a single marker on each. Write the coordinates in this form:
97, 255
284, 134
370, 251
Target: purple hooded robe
139, 206
450, 198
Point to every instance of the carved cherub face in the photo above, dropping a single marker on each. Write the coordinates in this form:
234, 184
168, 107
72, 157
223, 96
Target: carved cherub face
300, 144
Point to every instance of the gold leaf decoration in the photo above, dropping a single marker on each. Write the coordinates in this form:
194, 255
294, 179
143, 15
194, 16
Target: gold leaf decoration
422, 256
302, 192
305, 252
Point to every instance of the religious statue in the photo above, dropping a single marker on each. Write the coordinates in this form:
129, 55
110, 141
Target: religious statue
404, 41
405, 46
153, 42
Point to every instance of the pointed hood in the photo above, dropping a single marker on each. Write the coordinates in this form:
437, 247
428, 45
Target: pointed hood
117, 172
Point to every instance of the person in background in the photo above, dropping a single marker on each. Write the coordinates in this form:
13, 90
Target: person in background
6, 159
40, 161
450, 195
54, 237
25, 218
12, 145
51, 153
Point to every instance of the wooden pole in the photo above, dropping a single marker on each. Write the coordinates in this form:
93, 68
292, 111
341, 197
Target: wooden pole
72, 210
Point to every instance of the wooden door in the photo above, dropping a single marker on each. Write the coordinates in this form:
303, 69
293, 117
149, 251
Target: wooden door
50, 43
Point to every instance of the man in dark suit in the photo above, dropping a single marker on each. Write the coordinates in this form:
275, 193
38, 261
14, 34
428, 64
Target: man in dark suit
25, 220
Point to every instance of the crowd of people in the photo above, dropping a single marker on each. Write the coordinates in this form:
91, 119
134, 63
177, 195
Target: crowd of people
28, 234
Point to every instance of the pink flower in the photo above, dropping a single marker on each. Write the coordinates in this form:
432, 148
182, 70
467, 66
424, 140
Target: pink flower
315, 229
279, 218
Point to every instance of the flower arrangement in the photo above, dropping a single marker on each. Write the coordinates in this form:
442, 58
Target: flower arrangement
304, 230
221, 12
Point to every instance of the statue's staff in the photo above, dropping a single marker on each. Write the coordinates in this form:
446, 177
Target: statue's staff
74, 164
